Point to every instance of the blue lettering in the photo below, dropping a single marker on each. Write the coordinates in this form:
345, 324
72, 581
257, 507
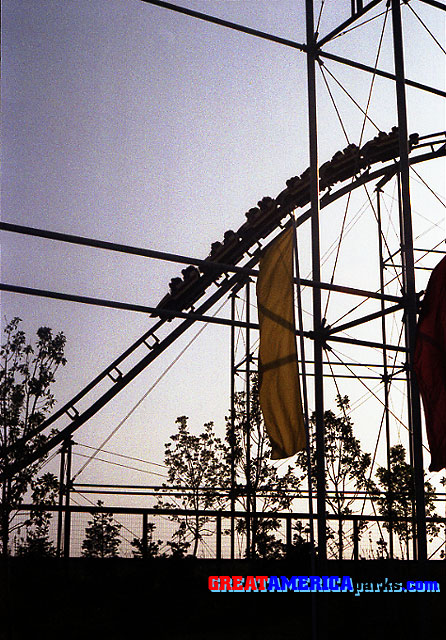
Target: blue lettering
274, 584
315, 583
303, 583
334, 583
289, 585
347, 584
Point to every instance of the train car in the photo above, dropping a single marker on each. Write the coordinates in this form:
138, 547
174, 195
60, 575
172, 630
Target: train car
383, 147
297, 192
261, 220
344, 164
184, 292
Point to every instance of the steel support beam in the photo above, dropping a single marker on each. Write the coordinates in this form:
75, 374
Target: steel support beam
226, 23
249, 541
347, 23
407, 256
67, 490
316, 275
385, 377
232, 442
434, 3
382, 74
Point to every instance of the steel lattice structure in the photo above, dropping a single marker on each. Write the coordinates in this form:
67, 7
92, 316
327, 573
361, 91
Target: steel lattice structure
232, 263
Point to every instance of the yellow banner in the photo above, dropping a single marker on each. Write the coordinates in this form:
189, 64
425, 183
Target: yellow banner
280, 398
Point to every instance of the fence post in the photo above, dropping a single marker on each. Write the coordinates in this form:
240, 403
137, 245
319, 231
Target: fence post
67, 523
144, 535
289, 541
355, 539
218, 537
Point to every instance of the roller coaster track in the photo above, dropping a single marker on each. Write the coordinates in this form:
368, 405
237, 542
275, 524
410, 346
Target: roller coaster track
351, 164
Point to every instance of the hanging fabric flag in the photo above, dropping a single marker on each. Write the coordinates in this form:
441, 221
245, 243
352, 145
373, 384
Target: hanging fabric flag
430, 364
280, 398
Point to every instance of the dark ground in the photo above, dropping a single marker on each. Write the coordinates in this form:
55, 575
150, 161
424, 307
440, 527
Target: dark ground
170, 600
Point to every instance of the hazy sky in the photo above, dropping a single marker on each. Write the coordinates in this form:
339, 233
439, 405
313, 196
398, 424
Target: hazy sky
130, 123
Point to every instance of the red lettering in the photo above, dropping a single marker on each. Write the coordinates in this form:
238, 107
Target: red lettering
213, 583
237, 583
262, 582
250, 583
225, 583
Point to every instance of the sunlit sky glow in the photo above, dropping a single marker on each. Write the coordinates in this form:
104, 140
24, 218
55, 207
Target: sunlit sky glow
126, 122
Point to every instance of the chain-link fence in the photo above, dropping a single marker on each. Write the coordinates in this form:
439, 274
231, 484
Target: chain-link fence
137, 532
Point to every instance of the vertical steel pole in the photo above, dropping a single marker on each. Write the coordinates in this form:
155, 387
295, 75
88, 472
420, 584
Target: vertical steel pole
384, 339
409, 389
407, 255
316, 270
289, 535
61, 496
307, 428
303, 371
145, 535
5, 513
218, 537
248, 423
233, 470
67, 523
355, 539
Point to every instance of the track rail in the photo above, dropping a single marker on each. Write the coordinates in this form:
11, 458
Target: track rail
261, 221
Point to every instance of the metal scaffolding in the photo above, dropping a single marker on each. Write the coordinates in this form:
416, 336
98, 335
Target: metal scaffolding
232, 276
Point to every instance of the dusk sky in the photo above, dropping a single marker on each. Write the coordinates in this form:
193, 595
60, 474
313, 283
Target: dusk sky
127, 122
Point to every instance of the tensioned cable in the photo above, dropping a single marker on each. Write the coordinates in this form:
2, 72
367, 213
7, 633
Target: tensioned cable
354, 362
349, 195
389, 211
240, 334
374, 395
382, 235
114, 519
372, 83
141, 400
425, 26
348, 142
333, 101
420, 215
350, 226
426, 253
116, 464
365, 120
392, 368
386, 285
338, 250
39, 468
345, 416
357, 26
428, 187
349, 95
121, 455
329, 251
343, 410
